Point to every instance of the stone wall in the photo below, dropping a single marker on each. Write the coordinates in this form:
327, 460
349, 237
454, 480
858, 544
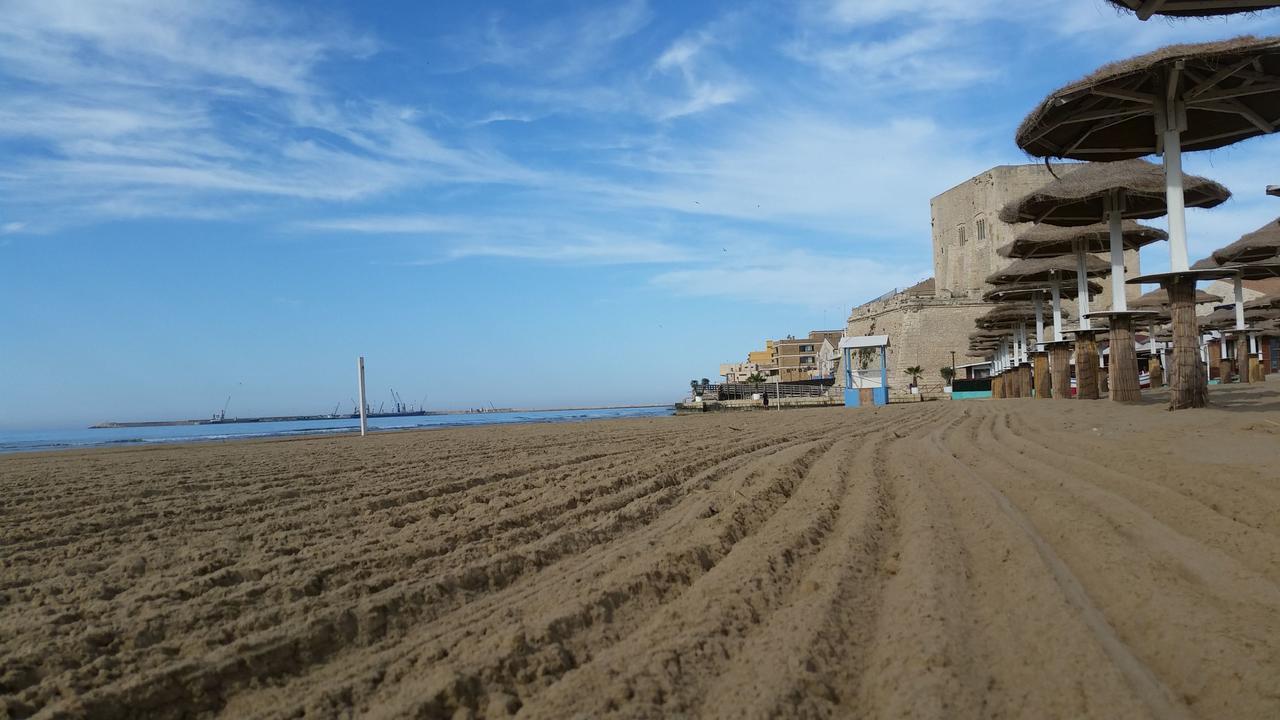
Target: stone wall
922, 331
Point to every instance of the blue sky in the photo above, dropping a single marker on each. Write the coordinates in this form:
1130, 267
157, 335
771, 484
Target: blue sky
525, 203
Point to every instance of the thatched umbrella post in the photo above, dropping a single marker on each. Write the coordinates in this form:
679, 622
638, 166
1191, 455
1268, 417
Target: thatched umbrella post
1154, 366
1124, 386
1087, 365
1039, 358
1189, 386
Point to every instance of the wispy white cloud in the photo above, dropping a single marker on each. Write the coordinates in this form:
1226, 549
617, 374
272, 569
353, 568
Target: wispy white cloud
876, 44
871, 182
558, 48
795, 277
542, 236
707, 81
135, 104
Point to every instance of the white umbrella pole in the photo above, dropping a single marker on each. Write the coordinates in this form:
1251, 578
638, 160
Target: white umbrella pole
1057, 312
1174, 119
1082, 286
1238, 283
1115, 203
1039, 304
364, 427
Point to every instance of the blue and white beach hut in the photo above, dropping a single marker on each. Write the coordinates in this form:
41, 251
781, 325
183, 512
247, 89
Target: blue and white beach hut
866, 370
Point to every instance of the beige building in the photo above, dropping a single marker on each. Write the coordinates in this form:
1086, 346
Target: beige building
739, 372
928, 321
764, 359
797, 358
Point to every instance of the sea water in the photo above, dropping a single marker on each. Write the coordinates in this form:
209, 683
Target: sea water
33, 440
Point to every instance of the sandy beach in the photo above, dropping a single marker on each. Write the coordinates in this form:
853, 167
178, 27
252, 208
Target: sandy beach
1015, 558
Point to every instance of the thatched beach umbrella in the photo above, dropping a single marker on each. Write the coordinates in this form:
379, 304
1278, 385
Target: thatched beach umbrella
1059, 204
1239, 272
1053, 269
1028, 291
1144, 9
1093, 193
1158, 301
1192, 97
1261, 244
1046, 240
1159, 298
1035, 292
1015, 350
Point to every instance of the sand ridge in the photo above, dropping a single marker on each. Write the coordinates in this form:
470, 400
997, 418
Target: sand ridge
970, 559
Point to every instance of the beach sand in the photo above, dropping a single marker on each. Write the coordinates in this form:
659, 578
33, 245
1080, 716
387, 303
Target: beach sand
1015, 558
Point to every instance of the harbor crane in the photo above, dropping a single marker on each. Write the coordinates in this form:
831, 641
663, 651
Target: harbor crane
223, 415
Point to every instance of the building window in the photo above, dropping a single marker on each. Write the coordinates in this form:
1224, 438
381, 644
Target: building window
981, 229
806, 348
806, 360
960, 234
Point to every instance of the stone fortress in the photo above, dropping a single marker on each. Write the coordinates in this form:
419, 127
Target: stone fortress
930, 320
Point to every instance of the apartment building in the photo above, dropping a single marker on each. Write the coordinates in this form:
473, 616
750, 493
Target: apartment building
797, 358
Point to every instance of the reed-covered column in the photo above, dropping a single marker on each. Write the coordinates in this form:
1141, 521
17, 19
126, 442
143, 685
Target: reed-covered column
1060, 370
1086, 366
1124, 361
1040, 374
1189, 384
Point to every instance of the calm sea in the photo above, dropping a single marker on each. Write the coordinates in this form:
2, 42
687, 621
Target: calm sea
31, 440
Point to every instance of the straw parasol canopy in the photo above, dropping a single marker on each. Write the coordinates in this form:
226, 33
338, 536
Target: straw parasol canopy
1229, 89
1225, 318
1046, 270
1260, 270
1157, 299
1261, 244
1078, 197
1029, 290
1051, 240
1144, 9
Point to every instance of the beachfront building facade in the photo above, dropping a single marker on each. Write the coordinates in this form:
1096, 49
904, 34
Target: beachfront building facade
764, 360
797, 358
828, 358
931, 320
739, 372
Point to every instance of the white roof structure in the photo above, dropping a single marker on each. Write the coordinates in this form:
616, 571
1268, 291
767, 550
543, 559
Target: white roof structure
864, 341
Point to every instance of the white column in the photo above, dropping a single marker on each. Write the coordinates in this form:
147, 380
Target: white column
1238, 282
1171, 125
1082, 286
364, 422
1057, 310
1039, 305
1116, 203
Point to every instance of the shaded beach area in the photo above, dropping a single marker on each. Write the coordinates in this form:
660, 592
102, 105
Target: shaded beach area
945, 559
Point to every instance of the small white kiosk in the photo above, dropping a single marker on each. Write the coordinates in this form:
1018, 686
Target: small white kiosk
868, 383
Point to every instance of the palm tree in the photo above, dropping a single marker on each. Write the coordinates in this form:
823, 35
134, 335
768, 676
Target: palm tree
948, 374
755, 377
916, 372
